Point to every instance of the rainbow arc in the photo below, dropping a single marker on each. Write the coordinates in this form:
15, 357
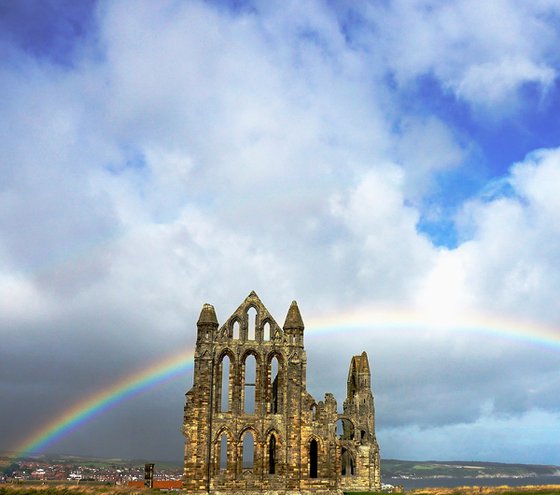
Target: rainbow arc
179, 364
100, 402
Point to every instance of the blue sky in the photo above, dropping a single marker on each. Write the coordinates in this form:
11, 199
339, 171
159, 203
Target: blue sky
385, 158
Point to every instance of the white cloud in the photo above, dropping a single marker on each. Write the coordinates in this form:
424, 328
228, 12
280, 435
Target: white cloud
483, 52
384, 252
496, 83
205, 154
425, 148
511, 263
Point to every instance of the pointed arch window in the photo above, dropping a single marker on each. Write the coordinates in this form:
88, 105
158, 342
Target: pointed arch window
313, 458
274, 386
272, 455
251, 323
235, 331
347, 466
248, 456
224, 395
223, 452
250, 384
266, 331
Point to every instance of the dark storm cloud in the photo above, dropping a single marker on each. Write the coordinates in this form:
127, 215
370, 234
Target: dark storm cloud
425, 382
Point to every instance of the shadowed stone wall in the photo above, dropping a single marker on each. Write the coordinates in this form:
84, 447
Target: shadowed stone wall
251, 426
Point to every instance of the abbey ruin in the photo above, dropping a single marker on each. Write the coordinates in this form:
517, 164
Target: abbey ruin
251, 426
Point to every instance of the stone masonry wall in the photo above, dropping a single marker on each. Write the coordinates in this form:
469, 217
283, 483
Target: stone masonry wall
251, 426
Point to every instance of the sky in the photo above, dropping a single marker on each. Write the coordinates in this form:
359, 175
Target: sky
394, 166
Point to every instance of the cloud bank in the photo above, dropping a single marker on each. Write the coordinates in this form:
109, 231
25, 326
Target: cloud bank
159, 156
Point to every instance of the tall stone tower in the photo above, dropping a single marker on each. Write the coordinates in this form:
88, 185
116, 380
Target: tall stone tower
249, 423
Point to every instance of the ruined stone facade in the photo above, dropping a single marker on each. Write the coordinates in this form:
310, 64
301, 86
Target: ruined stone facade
251, 426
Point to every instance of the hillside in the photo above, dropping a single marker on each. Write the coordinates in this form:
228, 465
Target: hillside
392, 468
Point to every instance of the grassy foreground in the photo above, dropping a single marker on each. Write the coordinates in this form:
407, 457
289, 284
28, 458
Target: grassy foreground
21, 489
490, 490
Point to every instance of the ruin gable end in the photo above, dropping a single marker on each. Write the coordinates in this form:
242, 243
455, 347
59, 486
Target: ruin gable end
251, 426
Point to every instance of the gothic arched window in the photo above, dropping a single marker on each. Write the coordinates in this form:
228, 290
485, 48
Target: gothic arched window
251, 323
250, 384
274, 386
224, 390
347, 465
223, 452
313, 458
272, 455
248, 456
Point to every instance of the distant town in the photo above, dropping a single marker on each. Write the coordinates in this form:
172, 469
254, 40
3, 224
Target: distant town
59, 469
81, 470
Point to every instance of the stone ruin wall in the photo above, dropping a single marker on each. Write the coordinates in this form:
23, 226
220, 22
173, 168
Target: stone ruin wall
296, 448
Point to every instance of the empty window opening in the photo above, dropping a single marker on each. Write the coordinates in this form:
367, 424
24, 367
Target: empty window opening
347, 463
313, 412
272, 455
352, 387
251, 323
250, 383
344, 429
362, 435
236, 330
248, 450
274, 400
266, 331
224, 388
313, 459
223, 452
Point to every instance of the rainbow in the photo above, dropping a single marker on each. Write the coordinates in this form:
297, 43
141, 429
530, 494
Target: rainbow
363, 322
101, 401
486, 325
